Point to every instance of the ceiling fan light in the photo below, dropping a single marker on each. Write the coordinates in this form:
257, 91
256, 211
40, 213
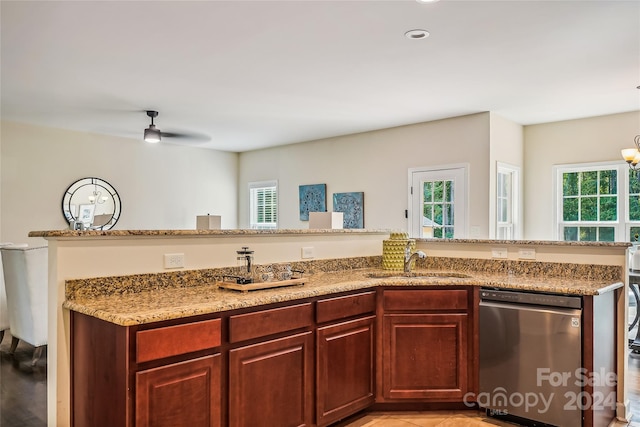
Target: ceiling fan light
151, 134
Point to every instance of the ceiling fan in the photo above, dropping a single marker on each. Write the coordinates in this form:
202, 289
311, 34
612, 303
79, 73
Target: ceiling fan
153, 135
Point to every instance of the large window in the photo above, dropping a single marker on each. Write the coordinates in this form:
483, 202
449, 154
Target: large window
598, 202
263, 204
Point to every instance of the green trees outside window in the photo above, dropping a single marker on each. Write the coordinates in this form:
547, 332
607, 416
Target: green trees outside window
600, 204
590, 196
437, 209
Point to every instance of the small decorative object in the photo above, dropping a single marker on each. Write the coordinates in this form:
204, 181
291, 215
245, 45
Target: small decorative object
393, 250
272, 276
284, 272
313, 198
326, 220
245, 264
264, 273
352, 205
85, 215
208, 222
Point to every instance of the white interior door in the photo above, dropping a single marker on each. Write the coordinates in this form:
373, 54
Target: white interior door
437, 205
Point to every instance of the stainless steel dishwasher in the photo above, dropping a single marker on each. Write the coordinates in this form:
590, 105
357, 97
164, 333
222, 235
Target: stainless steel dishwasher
531, 356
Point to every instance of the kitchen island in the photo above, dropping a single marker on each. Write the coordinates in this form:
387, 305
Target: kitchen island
137, 256
225, 330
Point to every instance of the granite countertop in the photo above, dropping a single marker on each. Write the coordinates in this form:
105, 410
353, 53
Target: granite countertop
172, 302
66, 233
91, 234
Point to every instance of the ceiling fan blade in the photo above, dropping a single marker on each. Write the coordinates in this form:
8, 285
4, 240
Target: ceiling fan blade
196, 137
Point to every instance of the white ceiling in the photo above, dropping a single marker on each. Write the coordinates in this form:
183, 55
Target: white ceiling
252, 74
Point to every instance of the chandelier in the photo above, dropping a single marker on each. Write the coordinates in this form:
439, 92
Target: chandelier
632, 155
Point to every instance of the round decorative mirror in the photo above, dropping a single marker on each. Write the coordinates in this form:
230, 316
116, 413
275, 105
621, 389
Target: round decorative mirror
91, 203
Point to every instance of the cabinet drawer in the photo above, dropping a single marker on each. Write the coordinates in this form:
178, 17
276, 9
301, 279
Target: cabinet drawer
425, 299
268, 322
346, 306
169, 341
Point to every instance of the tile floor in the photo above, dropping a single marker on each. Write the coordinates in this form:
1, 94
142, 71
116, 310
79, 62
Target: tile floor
424, 419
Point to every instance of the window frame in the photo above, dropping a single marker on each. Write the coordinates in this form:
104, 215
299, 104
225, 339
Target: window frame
458, 172
622, 225
515, 225
253, 208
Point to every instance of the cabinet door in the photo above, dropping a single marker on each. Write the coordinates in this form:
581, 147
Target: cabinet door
271, 383
180, 394
344, 375
425, 356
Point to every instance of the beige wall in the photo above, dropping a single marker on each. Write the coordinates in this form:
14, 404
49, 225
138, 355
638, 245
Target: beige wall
376, 163
165, 186
595, 139
161, 186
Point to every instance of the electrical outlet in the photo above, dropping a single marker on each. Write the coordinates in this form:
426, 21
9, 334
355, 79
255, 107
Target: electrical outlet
499, 253
526, 253
173, 260
308, 252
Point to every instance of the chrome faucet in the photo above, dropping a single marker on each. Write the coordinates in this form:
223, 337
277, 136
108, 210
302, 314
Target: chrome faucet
410, 257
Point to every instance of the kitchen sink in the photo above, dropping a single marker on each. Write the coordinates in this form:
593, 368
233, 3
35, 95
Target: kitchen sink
419, 275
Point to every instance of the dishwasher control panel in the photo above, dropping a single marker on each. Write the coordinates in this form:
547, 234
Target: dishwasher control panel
534, 298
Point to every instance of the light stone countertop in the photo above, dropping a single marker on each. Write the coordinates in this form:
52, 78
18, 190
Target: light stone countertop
146, 306
67, 233
90, 234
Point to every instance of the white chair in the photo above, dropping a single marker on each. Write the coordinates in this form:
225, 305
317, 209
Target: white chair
26, 278
4, 316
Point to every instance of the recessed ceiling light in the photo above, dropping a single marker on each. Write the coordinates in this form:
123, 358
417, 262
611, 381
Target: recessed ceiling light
416, 34
427, 1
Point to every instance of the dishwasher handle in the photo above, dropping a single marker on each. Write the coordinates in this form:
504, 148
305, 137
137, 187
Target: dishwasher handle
573, 312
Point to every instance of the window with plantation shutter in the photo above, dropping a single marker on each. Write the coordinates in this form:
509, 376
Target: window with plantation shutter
263, 204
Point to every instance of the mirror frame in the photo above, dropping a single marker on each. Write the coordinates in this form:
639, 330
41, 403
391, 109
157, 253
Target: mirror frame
100, 185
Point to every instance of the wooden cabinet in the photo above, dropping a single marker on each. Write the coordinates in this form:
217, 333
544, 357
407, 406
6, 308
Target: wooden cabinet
345, 362
425, 356
301, 363
272, 379
152, 376
180, 394
271, 383
426, 341
345, 369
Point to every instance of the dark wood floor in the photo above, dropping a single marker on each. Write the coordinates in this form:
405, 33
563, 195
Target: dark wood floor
633, 378
23, 388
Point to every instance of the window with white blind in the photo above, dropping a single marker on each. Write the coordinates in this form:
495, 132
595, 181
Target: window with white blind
263, 204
